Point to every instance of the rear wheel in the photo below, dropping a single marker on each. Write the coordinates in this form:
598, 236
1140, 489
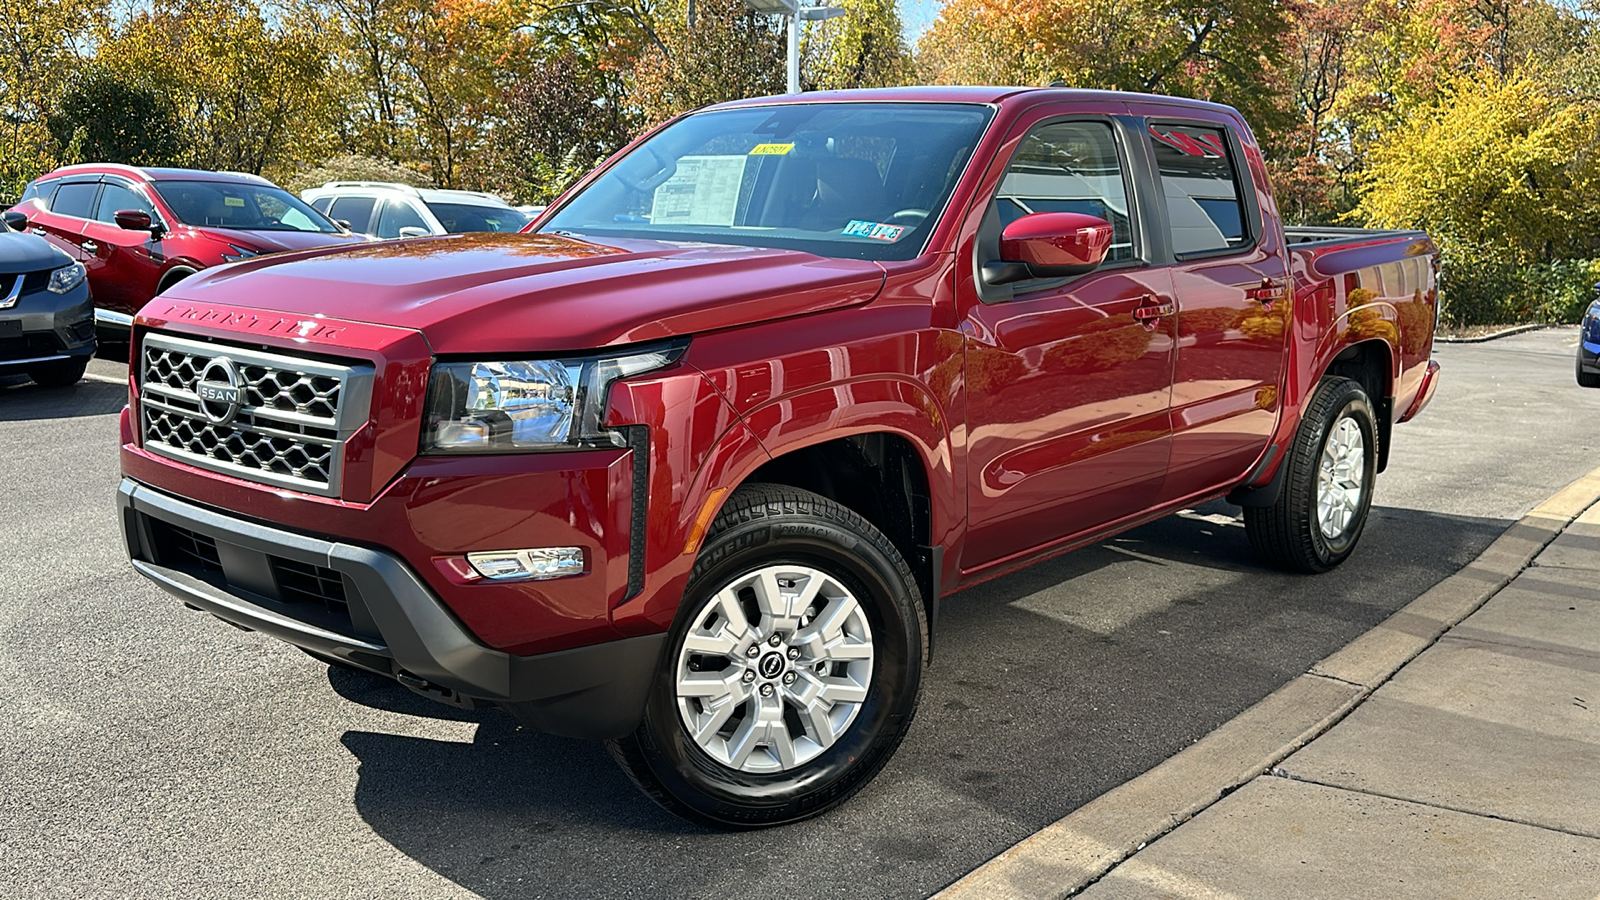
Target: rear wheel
1587, 379
59, 374
1327, 490
793, 669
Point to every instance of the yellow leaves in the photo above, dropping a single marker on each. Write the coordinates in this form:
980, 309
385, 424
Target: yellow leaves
1499, 162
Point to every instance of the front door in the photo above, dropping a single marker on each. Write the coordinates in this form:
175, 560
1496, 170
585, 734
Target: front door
124, 266
1067, 389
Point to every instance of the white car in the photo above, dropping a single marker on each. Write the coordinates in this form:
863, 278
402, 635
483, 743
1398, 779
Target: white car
390, 210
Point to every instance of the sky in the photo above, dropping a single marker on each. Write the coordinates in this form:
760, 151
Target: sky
916, 16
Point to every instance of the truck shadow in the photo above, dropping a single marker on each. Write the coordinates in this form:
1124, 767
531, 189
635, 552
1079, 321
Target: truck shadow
1048, 687
22, 400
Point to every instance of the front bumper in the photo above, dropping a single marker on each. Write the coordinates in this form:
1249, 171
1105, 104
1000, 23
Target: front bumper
368, 608
42, 327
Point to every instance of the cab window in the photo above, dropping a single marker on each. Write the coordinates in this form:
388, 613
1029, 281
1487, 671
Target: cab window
1200, 182
1069, 167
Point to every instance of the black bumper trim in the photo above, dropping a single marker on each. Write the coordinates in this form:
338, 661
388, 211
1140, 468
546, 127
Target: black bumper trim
594, 692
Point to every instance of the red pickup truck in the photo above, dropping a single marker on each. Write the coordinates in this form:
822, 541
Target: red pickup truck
690, 466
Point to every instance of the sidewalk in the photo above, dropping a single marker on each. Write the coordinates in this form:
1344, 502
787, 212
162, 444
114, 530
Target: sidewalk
1471, 771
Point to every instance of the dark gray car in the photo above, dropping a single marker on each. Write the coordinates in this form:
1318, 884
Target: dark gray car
46, 319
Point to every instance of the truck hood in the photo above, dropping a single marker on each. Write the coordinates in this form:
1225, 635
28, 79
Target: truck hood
516, 293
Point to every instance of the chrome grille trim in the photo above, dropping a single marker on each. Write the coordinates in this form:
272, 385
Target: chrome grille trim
293, 419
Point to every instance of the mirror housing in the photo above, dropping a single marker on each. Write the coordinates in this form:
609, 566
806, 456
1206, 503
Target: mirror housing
135, 220
1050, 245
16, 219
412, 231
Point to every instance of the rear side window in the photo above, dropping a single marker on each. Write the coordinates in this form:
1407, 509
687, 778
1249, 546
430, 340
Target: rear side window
321, 204
1069, 167
398, 214
1200, 181
43, 191
355, 210
76, 200
115, 197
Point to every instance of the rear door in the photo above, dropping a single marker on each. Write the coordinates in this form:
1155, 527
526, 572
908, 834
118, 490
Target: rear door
70, 210
1067, 391
1230, 278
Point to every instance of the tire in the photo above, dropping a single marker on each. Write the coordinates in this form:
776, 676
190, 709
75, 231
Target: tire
1309, 529
173, 276
1586, 379
778, 757
62, 373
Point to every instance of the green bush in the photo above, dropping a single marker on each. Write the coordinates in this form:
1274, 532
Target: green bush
1482, 288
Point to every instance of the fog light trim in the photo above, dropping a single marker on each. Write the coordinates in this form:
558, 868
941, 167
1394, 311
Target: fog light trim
534, 564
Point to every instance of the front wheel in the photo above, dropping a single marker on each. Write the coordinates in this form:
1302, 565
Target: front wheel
1327, 490
792, 671
1586, 378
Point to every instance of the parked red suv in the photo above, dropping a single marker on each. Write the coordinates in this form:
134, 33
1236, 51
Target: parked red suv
141, 230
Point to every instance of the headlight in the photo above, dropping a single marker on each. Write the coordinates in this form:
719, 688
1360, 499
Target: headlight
531, 405
66, 278
239, 253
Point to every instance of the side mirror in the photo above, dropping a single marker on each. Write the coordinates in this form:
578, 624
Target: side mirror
16, 219
412, 231
342, 223
1050, 245
133, 220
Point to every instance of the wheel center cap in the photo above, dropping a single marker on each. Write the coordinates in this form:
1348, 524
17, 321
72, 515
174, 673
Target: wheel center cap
771, 665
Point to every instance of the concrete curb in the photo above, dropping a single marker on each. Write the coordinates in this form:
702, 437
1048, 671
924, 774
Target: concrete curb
1077, 850
1517, 329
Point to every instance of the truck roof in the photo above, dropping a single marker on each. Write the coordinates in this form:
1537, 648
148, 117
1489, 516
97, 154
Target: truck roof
969, 94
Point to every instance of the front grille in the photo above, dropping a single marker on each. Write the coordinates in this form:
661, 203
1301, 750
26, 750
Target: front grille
300, 582
29, 346
286, 427
308, 592
181, 548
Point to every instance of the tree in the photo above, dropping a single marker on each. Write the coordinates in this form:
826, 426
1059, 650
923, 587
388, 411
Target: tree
861, 49
730, 54
43, 45
108, 117
250, 92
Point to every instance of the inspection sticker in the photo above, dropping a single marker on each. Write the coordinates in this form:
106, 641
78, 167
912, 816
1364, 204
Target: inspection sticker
232, 201
771, 149
878, 231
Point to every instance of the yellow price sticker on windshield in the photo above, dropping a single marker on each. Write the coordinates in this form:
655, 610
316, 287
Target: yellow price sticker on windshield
771, 149
232, 201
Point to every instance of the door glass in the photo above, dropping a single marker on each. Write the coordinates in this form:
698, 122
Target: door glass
76, 200
398, 214
321, 204
355, 210
1198, 179
1069, 167
115, 197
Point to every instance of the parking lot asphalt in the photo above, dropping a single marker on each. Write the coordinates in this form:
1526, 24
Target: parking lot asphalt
153, 751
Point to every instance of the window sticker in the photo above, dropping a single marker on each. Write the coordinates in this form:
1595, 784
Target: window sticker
233, 201
878, 231
771, 149
703, 191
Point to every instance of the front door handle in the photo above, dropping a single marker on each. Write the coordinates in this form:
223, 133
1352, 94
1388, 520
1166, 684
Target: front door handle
1152, 308
1267, 294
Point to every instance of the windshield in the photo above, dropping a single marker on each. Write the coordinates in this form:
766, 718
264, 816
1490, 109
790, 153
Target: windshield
460, 218
252, 207
856, 180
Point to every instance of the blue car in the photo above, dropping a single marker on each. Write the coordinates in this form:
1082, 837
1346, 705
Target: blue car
1589, 345
46, 319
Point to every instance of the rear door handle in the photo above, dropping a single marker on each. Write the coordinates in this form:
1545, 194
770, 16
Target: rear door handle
1152, 308
91, 247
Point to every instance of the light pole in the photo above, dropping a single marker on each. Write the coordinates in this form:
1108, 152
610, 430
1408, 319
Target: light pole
796, 14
